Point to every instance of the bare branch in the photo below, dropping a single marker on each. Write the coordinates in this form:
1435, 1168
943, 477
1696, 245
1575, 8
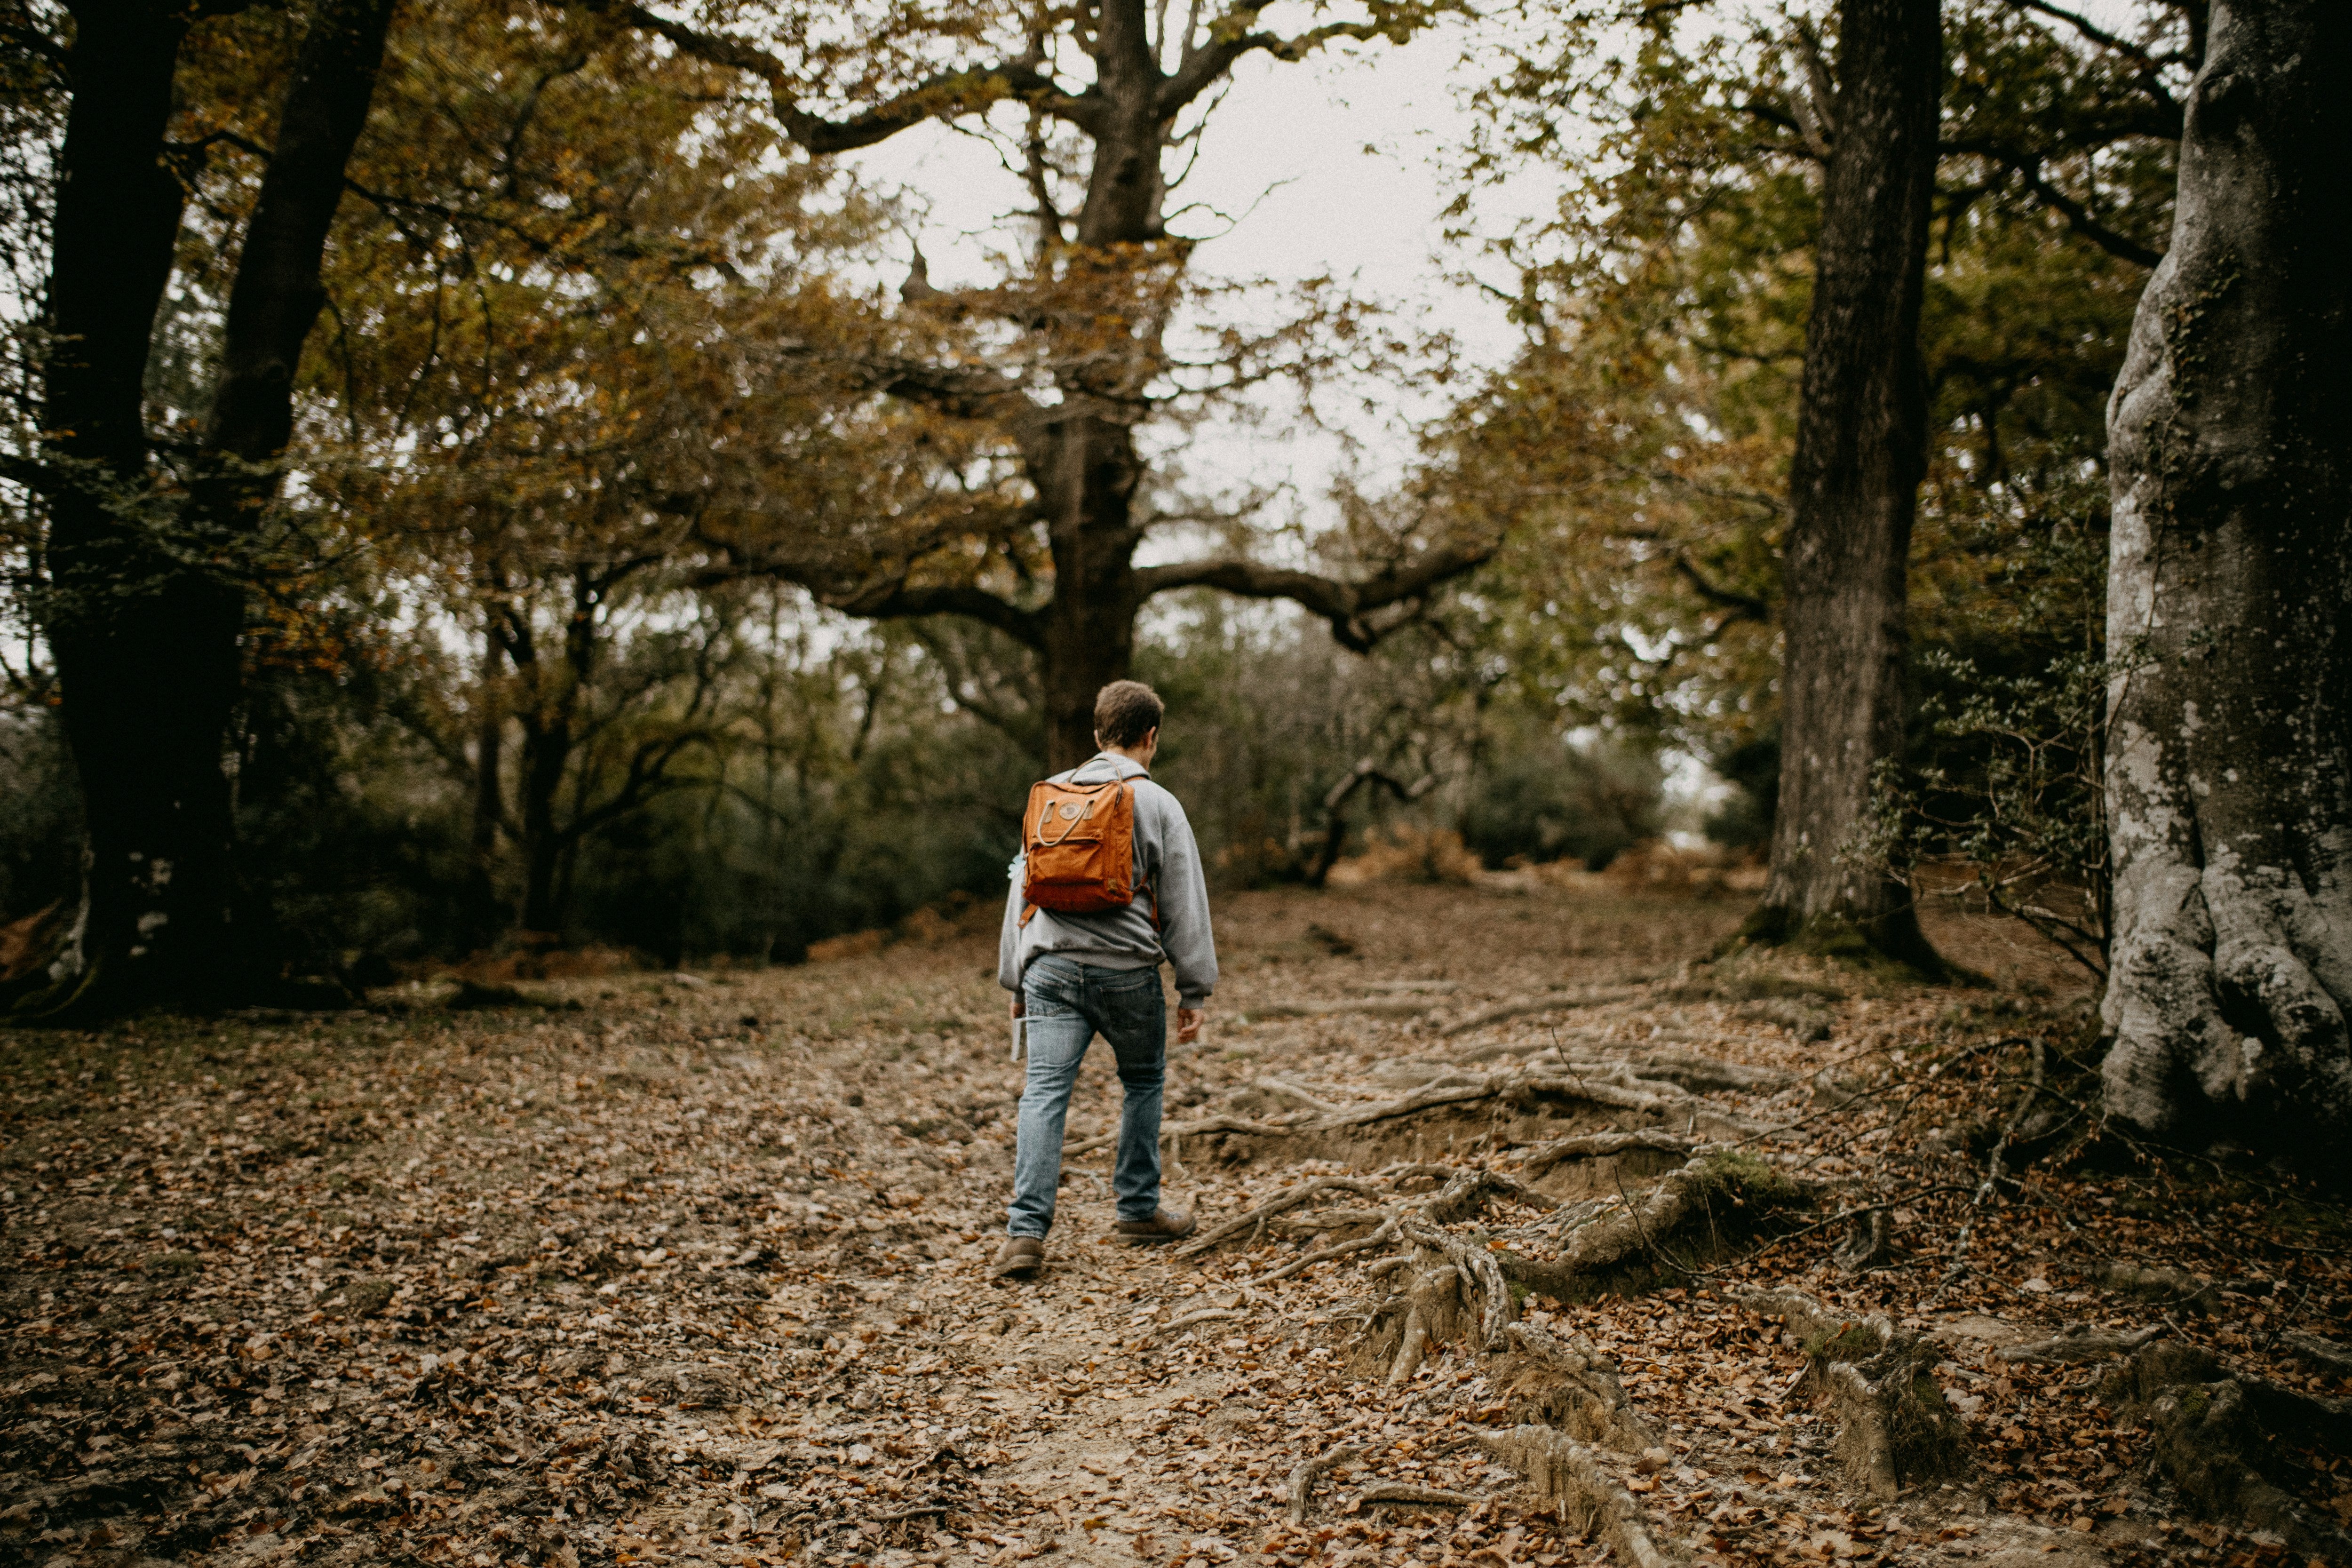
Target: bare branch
2027, 167
1347, 606
942, 95
1744, 606
1230, 39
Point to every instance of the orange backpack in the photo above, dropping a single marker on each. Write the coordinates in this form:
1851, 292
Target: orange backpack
1078, 846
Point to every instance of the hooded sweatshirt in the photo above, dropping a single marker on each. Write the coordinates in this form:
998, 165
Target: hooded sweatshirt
1167, 863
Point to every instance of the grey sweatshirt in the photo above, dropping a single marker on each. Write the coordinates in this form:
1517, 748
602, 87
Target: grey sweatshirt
1167, 861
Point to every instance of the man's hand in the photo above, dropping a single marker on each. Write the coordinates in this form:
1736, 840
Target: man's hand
1188, 1024
1017, 1008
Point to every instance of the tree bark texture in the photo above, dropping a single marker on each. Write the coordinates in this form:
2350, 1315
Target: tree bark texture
144, 627
2229, 609
1853, 483
1083, 465
1086, 481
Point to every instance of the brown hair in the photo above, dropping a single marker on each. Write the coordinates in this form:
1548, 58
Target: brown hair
1125, 712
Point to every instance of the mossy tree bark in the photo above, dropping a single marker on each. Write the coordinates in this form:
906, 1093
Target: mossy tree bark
1853, 486
2229, 609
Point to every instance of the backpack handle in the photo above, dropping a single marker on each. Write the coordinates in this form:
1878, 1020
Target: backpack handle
1092, 794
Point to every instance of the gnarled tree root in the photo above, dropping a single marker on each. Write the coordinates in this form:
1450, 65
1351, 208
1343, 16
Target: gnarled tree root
2213, 1437
1542, 1157
1565, 1473
1894, 1428
1303, 1479
1429, 1307
1686, 1220
1569, 1384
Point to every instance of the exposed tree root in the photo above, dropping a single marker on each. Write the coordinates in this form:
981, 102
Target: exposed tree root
1281, 1204
1477, 1268
1411, 1347
1571, 1385
1176, 1129
1430, 1305
1303, 1479
2313, 1350
1684, 1222
1567, 1473
2218, 1439
1894, 1426
1528, 1006
1595, 1145
1612, 1084
1284, 1086
1362, 1006
1700, 1074
2079, 1342
1403, 1492
1868, 1243
1466, 1192
1381, 1237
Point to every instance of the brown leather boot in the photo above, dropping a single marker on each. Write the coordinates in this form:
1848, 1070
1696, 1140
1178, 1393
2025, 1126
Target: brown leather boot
1165, 1225
1021, 1256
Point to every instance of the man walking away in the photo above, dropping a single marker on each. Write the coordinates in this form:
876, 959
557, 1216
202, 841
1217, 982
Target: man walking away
1086, 929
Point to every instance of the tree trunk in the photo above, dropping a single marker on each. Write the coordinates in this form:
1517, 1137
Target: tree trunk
484, 913
1085, 468
146, 633
147, 693
1088, 481
1852, 488
2229, 610
546, 750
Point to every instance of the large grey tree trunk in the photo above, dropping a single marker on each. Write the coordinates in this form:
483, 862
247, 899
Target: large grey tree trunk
1854, 484
2230, 608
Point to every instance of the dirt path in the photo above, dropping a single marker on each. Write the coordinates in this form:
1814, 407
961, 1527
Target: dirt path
689, 1269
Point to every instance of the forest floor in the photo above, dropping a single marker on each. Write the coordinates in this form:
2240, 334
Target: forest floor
693, 1269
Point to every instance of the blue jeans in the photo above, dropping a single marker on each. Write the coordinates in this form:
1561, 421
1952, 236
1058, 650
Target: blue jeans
1066, 1005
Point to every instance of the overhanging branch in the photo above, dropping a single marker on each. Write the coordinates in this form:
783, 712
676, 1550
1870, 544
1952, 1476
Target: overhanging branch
948, 93
1743, 607
2027, 167
1347, 606
1231, 40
